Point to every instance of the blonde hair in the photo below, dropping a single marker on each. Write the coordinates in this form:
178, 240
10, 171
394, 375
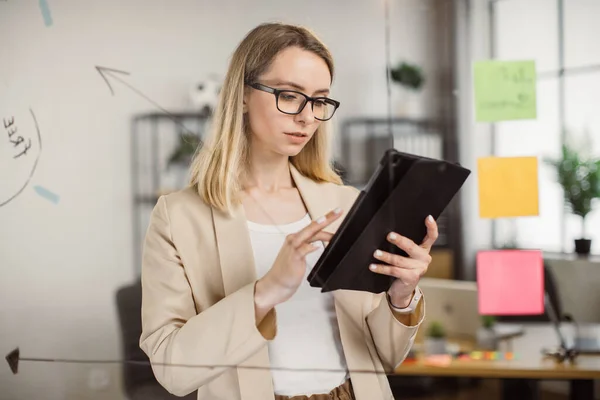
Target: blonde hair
216, 167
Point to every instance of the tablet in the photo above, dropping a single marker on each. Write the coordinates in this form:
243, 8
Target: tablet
402, 192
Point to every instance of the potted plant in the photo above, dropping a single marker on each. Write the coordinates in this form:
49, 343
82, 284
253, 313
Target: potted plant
486, 336
579, 177
411, 79
181, 157
435, 340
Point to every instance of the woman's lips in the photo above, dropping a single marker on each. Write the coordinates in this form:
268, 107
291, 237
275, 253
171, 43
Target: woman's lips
297, 134
296, 137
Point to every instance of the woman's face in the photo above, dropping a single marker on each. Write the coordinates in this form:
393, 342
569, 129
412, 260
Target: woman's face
270, 129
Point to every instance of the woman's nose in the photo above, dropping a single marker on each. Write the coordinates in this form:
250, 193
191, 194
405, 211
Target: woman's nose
306, 115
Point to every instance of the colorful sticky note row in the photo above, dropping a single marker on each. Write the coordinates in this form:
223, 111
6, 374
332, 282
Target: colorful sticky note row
438, 360
505, 90
487, 355
510, 282
508, 187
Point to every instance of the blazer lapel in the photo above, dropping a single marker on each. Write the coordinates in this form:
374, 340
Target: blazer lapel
238, 270
235, 249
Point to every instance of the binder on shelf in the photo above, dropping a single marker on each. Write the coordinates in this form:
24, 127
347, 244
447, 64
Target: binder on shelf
402, 192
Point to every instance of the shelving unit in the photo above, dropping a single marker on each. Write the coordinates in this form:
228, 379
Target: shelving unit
153, 137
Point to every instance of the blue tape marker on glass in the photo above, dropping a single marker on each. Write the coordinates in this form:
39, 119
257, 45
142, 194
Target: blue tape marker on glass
48, 195
45, 8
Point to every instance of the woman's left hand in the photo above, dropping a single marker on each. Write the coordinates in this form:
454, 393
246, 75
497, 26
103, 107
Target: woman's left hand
407, 270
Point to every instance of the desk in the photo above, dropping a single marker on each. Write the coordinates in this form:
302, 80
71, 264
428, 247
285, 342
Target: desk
528, 367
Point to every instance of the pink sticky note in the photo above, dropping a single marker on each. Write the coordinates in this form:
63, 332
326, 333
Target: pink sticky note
510, 282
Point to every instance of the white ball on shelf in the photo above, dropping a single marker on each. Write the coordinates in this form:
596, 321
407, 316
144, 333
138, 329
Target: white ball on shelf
204, 94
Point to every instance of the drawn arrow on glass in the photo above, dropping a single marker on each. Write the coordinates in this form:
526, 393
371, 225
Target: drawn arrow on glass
14, 357
116, 74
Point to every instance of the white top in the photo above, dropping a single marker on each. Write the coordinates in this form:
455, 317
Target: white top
307, 329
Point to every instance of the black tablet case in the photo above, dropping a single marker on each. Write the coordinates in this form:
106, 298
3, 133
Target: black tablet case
419, 186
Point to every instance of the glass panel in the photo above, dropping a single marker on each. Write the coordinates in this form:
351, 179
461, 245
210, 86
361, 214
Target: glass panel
582, 47
527, 29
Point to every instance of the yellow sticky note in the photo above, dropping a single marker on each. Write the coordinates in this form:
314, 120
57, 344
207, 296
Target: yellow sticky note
508, 187
505, 90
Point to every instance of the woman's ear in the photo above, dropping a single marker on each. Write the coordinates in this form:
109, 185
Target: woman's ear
245, 100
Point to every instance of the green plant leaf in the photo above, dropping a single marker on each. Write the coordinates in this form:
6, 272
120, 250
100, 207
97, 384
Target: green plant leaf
436, 330
579, 178
488, 320
408, 75
183, 153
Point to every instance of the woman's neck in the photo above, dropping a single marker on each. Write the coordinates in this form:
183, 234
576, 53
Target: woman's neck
268, 174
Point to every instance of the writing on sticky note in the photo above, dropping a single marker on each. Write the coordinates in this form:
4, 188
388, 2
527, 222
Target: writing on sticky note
508, 187
510, 282
505, 90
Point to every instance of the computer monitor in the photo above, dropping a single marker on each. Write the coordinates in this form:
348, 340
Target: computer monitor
452, 303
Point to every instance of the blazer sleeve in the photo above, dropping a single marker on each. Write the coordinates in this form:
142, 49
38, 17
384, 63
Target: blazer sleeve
393, 339
174, 335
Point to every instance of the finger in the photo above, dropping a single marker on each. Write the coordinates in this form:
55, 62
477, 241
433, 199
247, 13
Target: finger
307, 248
322, 236
394, 259
432, 233
408, 246
389, 270
315, 226
404, 274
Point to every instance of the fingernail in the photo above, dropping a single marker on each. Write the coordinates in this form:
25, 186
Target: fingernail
372, 267
430, 218
378, 253
393, 236
338, 210
315, 245
320, 220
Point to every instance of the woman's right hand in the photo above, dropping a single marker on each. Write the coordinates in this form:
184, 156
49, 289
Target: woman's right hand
289, 269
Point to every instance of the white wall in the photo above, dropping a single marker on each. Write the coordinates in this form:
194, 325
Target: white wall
61, 263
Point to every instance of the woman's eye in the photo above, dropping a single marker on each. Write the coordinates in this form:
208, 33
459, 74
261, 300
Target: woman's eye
286, 96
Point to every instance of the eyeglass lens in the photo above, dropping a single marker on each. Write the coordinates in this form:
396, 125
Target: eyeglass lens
292, 103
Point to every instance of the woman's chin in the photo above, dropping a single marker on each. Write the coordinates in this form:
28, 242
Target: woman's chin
292, 151
289, 150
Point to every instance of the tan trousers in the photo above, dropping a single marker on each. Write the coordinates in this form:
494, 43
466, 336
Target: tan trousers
342, 392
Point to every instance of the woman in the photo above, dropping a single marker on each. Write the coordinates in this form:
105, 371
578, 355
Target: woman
225, 260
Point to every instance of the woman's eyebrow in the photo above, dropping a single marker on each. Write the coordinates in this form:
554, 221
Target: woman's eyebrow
299, 87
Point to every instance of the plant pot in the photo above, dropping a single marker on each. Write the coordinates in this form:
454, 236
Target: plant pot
487, 339
408, 104
583, 246
435, 345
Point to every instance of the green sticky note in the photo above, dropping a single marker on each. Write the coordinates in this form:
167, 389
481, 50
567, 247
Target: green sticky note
505, 90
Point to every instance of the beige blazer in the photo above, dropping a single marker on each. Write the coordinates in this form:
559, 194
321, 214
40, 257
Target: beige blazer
198, 278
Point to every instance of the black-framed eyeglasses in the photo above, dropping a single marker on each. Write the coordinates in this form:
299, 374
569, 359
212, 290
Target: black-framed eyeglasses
293, 102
